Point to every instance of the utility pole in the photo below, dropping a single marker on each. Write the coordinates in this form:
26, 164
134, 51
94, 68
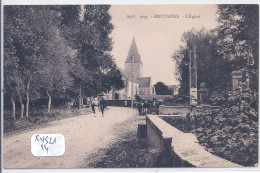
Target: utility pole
132, 87
193, 77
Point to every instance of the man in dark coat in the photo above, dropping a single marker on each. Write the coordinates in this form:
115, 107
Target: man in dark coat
145, 106
140, 107
93, 105
102, 105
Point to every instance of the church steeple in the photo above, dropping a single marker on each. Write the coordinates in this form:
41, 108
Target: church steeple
133, 53
133, 63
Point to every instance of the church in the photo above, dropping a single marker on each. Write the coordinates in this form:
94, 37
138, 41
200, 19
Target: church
132, 75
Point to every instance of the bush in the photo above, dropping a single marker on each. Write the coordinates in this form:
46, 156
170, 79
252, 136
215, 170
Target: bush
224, 133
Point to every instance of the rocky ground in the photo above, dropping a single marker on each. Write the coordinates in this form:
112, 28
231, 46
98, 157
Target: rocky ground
227, 134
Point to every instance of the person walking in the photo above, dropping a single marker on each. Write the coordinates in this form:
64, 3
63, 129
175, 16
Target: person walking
145, 106
139, 105
93, 105
142, 106
102, 105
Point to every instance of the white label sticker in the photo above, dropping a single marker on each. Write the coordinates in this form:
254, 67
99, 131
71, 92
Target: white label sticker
48, 145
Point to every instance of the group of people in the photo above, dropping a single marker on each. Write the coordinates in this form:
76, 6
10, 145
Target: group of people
142, 107
101, 104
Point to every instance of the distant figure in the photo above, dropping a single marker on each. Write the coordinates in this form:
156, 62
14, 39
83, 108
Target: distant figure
125, 103
102, 105
140, 107
135, 104
93, 105
145, 106
154, 104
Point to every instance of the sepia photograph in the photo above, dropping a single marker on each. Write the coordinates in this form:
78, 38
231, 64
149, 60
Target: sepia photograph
130, 86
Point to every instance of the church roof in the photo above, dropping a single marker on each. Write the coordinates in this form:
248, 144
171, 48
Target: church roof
128, 75
133, 53
144, 81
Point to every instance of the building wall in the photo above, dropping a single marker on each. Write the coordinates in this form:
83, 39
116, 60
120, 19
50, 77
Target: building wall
125, 93
129, 89
138, 69
145, 91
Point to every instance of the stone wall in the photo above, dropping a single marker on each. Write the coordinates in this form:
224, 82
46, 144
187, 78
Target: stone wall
184, 110
180, 149
173, 110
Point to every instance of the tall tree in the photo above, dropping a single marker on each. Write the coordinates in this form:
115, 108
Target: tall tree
161, 89
211, 68
13, 79
238, 32
38, 47
54, 73
238, 37
87, 28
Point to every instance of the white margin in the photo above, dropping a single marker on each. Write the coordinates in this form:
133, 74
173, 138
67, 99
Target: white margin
147, 2
65, 2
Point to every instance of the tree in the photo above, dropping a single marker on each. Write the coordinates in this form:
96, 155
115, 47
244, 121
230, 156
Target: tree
238, 37
231, 46
89, 34
57, 51
212, 69
35, 41
14, 84
161, 89
238, 32
52, 77
116, 79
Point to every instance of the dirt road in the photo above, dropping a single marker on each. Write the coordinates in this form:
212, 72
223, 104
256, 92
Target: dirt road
85, 135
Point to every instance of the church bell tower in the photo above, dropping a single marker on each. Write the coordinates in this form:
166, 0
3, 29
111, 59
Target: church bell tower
133, 61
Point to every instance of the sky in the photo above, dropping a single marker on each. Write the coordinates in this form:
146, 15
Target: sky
157, 38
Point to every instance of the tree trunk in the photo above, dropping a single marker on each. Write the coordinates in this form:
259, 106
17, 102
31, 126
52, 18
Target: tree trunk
22, 107
49, 102
27, 100
13, 108
80, 97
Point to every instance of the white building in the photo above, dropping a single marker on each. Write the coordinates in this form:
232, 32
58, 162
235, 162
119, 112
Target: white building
133, 73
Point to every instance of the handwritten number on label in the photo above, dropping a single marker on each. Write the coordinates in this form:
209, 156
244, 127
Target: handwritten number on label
45, 140
44, 147
47, 145
36, 138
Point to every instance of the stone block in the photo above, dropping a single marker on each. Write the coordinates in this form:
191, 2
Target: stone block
141, 131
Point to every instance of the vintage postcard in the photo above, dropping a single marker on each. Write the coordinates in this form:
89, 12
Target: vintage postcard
130, 86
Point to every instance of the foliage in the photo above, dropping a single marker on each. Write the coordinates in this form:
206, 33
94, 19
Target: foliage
211, 69
59, 51
238, 33
238, 38
89, 34
224, 133
233, 45
161, 89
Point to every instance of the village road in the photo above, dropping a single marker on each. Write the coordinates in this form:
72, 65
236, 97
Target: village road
85, 135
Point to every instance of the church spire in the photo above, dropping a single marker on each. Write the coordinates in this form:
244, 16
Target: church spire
133, 53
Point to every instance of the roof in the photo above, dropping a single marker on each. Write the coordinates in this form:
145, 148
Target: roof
157, 97
128, 75
133, 53
144, 81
